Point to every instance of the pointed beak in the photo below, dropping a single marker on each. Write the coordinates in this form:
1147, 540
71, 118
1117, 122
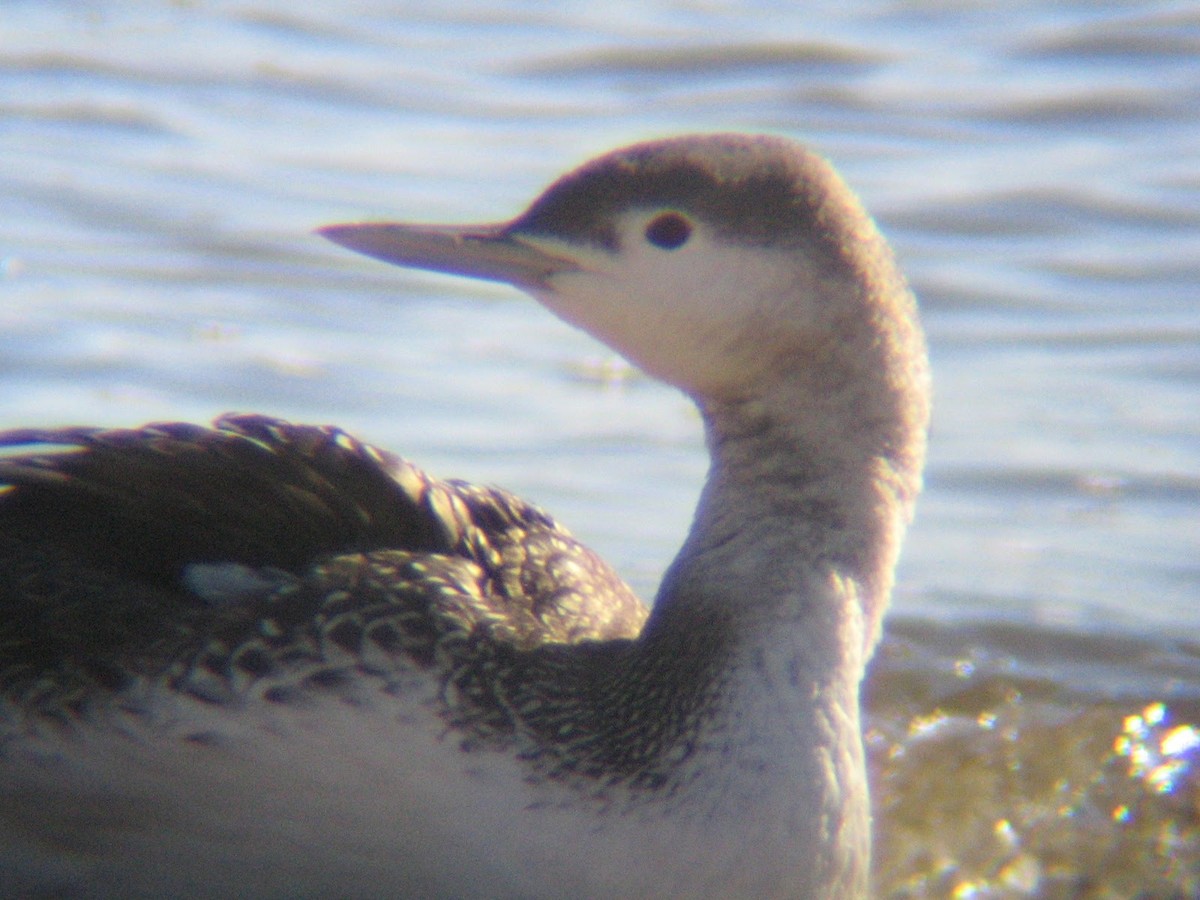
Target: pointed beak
491, 252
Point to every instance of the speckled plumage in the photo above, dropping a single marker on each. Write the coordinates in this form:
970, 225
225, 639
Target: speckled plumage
362, 561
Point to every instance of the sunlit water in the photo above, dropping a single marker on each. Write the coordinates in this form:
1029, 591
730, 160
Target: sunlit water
1036, 705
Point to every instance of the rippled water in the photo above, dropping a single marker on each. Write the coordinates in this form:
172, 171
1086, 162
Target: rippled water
1034, 710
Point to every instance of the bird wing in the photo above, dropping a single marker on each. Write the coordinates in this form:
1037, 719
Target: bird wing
216, 556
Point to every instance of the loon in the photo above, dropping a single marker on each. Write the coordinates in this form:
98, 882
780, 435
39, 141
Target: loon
261, 659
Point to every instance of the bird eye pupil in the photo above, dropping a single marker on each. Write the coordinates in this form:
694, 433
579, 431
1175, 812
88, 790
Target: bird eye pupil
670, 230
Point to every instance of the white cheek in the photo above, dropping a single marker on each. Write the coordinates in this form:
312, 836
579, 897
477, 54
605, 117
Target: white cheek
679, 315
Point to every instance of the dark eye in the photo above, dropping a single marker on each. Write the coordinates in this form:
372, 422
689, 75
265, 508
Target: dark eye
670, 230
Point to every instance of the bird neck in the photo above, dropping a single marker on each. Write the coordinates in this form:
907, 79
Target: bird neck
812, 483
768, 615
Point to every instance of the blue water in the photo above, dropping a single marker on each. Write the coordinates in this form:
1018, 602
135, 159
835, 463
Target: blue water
1035, 165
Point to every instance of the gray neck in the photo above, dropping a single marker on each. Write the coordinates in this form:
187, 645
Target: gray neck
812, 483
787, 570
